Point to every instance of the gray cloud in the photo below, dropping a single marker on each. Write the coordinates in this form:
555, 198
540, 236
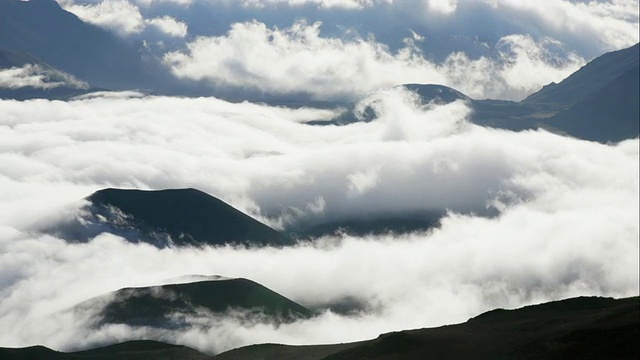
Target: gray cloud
565, 224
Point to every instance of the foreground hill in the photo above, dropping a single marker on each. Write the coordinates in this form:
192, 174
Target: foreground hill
162, 306
578, 328
174, 217
132, 350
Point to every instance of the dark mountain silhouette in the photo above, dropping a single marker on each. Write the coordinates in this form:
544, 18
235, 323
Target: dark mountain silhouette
132, 350
180, 217
577, 328
385, 223
589, 79
599, 102
44, 30
157, 306
439, 94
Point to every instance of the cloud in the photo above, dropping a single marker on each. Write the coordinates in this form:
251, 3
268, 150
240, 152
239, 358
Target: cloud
588, 28
444, 7
611, 23
564, 221
299, 60
337, 49
155, 2
169, 26
324, 4
36, 76
119, 16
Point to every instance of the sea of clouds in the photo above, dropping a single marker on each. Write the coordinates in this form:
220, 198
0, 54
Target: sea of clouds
531, 216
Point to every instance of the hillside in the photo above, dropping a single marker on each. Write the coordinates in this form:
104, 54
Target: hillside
577, 328
132, 350
157, 306
174, 217
44, 30
599, 102
23, 76
584, 328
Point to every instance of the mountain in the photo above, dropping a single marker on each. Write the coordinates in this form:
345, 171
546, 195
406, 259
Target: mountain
47, 81
362, 225
578, 328
46, 31
132, 350
599, 102
174, 217
9, 59
159, 306
589, 79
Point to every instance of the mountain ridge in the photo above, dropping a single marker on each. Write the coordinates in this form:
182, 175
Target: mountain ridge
581, 105
59, 38
169, 217
583, 327
157, 306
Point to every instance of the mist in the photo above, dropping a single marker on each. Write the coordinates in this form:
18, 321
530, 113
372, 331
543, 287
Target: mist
529, 216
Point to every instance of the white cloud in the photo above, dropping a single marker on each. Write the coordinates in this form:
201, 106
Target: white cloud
36, 76
169, 26
445, 7
154, 2
119, 16
612, 23
567, 224
346, 4
299, 60
365, 45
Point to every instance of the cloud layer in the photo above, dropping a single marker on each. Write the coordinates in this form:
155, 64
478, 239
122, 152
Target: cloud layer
565, 211
487, 49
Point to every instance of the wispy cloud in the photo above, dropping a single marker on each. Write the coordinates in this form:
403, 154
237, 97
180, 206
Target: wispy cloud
36, 76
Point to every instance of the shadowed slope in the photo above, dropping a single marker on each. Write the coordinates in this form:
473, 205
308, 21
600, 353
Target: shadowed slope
60, 85
59, 38
579, 328
169, 305
589, 79
599, 102
179, 217
132, 350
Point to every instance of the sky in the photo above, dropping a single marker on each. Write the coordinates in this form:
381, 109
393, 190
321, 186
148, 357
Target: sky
530, 216
345, 49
